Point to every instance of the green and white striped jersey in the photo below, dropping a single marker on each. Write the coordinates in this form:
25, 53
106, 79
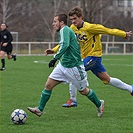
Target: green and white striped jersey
69, 51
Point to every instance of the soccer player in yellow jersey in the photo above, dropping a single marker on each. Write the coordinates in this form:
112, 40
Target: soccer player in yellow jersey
89, 38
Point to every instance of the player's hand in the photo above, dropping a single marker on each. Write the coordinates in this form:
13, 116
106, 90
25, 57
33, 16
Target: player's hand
52, 63
128, 34
49, 51
4, 44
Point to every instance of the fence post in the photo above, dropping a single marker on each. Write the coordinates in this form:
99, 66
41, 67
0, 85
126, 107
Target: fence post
49, 45
29, 48
106, 51
124, 48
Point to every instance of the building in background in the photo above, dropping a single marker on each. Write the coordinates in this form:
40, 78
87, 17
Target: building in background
125, 6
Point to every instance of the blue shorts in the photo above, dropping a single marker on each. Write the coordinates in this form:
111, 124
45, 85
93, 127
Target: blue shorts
94, 64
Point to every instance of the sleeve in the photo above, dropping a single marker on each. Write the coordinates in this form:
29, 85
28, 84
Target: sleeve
64, 43
10, 38
100, 29
56, 48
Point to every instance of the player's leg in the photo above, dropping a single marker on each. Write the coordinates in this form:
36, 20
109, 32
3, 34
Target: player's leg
99, 70
13, 56
45, 96
106, 79
89, 63
90, 94
9, 55
121, 85
73, 92
117, 83
54, 79
78, 77
72, 102
2, 54
46, 93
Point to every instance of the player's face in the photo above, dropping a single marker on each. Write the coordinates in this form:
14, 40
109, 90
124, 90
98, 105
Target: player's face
56, 24
3, 27
77, 21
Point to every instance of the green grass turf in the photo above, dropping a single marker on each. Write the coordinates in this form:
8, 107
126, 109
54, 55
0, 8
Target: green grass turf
21, 85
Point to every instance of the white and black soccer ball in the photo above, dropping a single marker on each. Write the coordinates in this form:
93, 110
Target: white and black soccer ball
18, 116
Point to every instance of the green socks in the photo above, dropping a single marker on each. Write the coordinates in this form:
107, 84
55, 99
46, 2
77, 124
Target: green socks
47, 93
44, 98
92, 96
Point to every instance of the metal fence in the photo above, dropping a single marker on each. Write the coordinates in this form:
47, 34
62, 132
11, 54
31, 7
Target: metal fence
38, 48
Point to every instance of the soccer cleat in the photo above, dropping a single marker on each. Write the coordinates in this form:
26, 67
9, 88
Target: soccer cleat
70, 104
2, 69
101, 109
14, 56
35, 111
132, 91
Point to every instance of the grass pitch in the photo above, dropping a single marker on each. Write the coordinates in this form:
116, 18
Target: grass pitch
21, 85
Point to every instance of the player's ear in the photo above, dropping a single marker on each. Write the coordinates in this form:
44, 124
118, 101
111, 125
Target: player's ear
62, 23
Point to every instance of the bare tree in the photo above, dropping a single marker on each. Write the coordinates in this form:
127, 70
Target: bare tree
12, 8
94, 10
32, 19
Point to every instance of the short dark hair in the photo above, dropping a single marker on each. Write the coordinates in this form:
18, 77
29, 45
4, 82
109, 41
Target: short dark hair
76, 11
62, 17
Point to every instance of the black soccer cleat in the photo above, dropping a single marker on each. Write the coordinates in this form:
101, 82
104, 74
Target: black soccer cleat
14, 56
2, 69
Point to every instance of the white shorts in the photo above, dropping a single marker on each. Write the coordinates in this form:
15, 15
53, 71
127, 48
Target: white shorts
76, 75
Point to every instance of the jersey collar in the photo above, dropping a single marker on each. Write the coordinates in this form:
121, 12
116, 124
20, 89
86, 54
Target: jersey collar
81, 25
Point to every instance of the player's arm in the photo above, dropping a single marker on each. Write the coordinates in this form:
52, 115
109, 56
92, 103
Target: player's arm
62, 47
100, 29
10, 38
53, 50
56, 48
64, 43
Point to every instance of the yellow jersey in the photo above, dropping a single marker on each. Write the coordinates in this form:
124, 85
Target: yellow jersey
89, 38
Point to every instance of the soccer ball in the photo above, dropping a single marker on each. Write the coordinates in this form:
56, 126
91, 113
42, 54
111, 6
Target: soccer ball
18, 116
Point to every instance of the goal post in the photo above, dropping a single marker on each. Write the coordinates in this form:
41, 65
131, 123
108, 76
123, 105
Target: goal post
15, 39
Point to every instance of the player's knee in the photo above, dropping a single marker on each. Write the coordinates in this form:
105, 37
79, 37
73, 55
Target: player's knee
2, 54
81, 92
48, 86
84, 92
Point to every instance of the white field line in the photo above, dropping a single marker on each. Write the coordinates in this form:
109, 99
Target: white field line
41, 61
127, 65
113, 59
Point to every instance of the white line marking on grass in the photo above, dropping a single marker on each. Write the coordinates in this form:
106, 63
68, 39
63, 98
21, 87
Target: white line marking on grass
41, 61
128, 65
114, 59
